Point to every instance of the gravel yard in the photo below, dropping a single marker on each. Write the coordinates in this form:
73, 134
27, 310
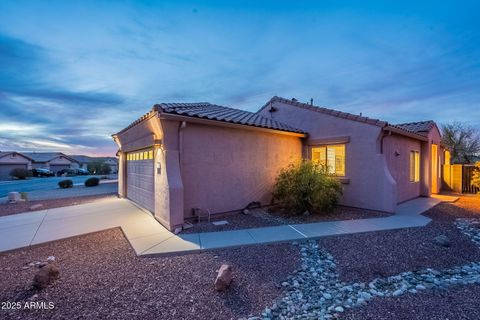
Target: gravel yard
13, 208
398, 274
456, 303
101, 278
364, 256
266, 217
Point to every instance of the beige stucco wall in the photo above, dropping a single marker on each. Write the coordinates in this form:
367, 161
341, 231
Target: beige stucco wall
370, 184
15, 159
397, 153
224, 169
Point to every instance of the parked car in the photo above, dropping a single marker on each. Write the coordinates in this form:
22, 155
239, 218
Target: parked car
67, 172
42, 172
82, 172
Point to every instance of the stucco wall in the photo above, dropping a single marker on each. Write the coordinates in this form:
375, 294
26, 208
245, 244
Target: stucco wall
397, 149
370, 182
224, 169
15, 159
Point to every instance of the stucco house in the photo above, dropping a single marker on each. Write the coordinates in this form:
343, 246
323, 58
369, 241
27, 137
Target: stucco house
54, 161
10, 160
183, 156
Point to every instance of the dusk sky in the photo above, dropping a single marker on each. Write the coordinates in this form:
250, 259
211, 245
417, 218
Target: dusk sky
73, 73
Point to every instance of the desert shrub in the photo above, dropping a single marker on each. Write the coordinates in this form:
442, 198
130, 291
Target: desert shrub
306, 186
20, 173
92, 182
476, 175
64, 184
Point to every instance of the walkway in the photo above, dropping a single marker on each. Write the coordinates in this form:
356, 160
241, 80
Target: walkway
148, 237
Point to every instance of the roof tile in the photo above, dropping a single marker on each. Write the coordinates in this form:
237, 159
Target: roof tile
210, 111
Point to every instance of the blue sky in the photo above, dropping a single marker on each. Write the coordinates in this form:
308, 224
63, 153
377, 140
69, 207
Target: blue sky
72, 73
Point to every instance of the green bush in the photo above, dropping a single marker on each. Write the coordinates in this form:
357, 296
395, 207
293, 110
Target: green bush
64, 184
92, 182
20, 173
306, 187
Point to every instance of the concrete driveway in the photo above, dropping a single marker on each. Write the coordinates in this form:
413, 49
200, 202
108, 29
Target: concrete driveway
25, 229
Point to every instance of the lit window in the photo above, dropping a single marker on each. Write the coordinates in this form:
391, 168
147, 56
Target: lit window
150, 154
136, 156
141, 155
332, 157
414, 166
145, 155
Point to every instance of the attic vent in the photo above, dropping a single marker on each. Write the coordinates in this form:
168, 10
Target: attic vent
272, 109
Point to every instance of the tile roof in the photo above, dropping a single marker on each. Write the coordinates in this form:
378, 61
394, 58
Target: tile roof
417, 127
88, 159
205, 110
330, 112
44, 156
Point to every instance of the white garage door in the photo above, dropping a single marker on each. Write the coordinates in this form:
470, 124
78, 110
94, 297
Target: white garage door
140, 178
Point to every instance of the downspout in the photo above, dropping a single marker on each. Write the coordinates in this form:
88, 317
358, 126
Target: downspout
181, 128
385, 133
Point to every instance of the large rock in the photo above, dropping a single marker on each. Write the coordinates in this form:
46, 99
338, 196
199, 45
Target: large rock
442, 241
224, 277
45, 276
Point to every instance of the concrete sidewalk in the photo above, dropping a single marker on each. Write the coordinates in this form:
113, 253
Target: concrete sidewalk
148, 237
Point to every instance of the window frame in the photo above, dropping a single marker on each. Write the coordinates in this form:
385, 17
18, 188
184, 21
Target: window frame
414, 173
327, 146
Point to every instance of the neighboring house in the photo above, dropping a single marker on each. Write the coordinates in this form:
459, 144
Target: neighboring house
83, 161
183, 156
10, 160
54, 161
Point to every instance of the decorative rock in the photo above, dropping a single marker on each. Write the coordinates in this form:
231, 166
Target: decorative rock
442, 241
45, 276
224, 277
50, 259
36, 206
339, 309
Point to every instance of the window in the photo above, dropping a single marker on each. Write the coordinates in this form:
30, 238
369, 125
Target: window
414, 166
332, 157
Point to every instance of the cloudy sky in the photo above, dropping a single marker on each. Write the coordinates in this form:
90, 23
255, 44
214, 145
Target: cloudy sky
72, 73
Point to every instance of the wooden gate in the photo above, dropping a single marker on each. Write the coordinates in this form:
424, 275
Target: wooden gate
458, 178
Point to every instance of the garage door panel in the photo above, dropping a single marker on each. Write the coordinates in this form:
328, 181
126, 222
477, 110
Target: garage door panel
140, 182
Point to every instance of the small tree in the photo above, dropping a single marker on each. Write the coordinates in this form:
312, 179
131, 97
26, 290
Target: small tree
306, 187
476, 175
99, 167
463, 140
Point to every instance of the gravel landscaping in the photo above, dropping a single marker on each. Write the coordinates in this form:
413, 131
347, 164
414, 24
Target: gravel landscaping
101, 278
37, 205
432, 272
273, 216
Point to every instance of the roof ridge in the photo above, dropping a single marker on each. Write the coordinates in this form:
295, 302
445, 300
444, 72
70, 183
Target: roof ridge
331, 112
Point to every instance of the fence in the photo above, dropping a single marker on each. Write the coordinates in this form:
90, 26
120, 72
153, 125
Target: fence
458, 177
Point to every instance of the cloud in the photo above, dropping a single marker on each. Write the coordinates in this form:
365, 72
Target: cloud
35, 112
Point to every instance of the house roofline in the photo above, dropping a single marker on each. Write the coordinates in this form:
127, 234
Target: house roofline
169, 116
330, 112
18, 153
394, 129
